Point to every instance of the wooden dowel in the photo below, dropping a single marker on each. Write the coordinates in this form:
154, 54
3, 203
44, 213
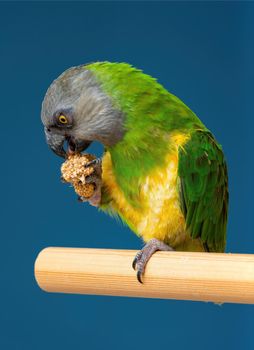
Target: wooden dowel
169, 275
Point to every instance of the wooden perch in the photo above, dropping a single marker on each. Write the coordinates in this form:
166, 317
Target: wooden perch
169, 275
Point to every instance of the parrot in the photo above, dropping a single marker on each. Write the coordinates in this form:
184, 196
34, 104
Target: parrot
163, 172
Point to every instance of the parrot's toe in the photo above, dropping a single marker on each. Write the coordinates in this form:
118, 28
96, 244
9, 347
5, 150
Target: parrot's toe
95, 177
92, 179
94, 162
144, 255
97, 182
63, 180
81, 199
95, 199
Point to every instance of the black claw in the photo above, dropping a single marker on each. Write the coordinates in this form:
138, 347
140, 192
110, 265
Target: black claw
88, 179
139, 276
134, 263
80, 199
92, 162
63, 180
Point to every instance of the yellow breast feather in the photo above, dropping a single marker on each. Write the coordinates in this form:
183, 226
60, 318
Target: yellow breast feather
159, 215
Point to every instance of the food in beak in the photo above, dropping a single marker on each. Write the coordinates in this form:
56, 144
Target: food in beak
77, 146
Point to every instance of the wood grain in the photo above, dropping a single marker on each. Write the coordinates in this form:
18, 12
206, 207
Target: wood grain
169, 275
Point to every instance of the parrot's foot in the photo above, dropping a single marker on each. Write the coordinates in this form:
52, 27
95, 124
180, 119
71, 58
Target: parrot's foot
143, 256
94, 178
95, 199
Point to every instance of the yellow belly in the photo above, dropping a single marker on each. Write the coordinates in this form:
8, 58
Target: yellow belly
159, 215
162, 217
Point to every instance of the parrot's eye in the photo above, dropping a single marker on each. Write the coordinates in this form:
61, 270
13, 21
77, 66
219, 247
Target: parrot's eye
62, 119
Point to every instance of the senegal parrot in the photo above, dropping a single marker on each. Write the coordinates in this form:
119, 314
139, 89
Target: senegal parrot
163, 172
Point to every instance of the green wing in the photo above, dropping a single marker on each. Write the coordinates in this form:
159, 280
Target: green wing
203, 189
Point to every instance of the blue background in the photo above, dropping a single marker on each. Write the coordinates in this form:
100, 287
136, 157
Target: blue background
203, 53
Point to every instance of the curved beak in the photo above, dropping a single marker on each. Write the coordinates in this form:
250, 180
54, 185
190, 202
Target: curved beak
56, 143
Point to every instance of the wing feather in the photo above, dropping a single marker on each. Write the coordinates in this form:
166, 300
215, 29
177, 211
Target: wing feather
203, 189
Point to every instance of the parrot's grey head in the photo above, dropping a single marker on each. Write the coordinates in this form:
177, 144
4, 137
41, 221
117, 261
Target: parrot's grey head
76, 110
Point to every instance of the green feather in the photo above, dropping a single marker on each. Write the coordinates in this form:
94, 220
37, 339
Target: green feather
204, 189
151, 114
